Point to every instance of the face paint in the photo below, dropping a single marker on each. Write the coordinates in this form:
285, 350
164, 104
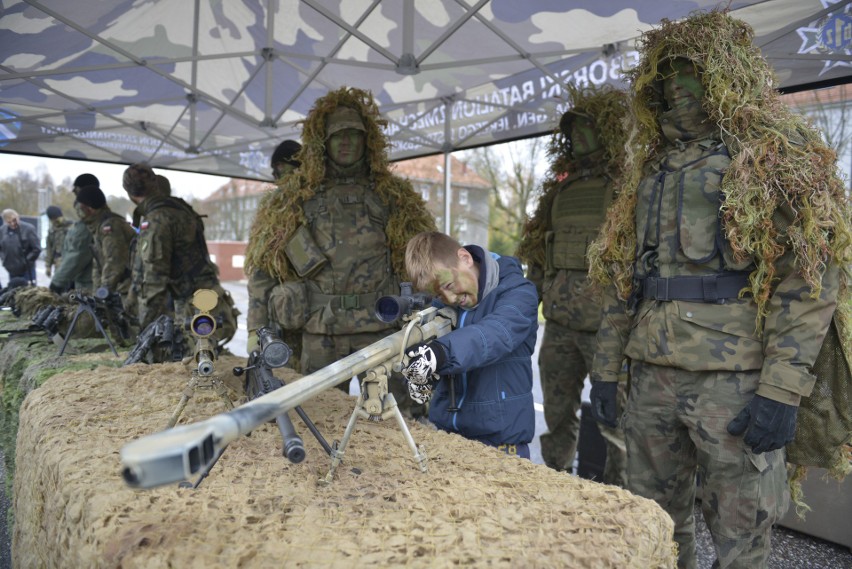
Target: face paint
346, 147
682, 84
282, 169
456, 286
584, 137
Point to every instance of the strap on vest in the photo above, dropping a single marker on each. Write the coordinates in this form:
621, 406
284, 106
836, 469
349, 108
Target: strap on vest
708, 288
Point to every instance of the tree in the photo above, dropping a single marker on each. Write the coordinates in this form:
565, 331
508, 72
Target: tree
514, 170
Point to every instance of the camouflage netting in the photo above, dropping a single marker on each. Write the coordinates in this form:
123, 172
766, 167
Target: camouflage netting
280, 212
780, 163
474, 507
609, 107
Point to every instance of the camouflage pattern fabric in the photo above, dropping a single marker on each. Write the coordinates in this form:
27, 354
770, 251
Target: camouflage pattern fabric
676, 425
111, 250
76, 266
174, 263
55, 239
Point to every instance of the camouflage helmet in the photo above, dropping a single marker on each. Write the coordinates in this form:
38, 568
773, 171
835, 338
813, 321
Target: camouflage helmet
139, 180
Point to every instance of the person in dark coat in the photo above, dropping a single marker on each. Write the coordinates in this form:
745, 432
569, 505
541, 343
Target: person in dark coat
20, 246
479, 376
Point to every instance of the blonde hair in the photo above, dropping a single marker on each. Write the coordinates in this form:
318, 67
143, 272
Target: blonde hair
426, 249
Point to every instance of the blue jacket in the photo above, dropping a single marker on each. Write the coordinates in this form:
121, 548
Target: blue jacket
490, 352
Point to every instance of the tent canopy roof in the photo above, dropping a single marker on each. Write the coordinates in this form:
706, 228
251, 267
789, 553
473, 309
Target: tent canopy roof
213, 87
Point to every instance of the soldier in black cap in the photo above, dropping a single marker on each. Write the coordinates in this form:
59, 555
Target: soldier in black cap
59, 227
284, 158
111, 239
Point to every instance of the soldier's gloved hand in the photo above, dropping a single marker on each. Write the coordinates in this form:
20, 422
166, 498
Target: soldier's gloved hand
57, 289
604, 396
767, 424
253, 342
420, 373
48, 270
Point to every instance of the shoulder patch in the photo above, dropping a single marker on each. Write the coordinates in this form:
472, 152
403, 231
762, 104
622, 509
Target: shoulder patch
106, 229
143, 226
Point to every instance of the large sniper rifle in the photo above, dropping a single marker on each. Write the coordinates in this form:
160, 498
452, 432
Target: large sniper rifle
186, 451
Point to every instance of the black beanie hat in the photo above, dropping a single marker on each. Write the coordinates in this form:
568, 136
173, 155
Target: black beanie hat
91, 196
285, 152
53, 212
87, 180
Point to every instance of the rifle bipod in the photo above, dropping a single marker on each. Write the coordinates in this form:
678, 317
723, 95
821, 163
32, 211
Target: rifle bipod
84, 307
198, 381
375, 403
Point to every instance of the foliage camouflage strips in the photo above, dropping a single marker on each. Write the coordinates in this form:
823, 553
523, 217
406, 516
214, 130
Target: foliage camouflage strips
609, 107
779, 164
280, 212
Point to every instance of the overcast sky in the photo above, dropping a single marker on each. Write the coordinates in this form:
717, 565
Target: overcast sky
184, 184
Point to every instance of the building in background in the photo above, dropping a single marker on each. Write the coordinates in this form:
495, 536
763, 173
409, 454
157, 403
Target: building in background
230, 210
469, 207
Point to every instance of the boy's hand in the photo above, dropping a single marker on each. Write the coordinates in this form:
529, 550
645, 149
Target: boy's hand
420, 373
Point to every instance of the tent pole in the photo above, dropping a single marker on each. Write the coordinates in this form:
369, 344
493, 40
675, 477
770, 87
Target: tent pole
448, 178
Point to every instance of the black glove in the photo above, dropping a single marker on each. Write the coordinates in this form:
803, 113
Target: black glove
420, 373
57, 289
768, 424
604, 396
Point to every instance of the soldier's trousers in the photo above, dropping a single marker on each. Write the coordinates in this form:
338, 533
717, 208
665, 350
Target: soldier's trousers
564, 359
319, 351
676, 429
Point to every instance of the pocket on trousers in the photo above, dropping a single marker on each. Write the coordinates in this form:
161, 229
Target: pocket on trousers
288, 305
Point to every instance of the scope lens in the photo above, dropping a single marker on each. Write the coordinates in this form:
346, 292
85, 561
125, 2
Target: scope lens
388, 309
203, 325
276, 354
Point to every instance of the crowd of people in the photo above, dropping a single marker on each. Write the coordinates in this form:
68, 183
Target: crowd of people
689, 251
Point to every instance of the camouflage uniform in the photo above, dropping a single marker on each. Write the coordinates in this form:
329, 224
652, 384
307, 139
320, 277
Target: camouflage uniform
697, 358
110, 250
174, 263
568, 217
55, 239
76, 266
343, 236
573, 313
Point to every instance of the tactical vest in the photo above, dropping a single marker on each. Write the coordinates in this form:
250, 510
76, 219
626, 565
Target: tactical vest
347, 220
576, 215
677, 214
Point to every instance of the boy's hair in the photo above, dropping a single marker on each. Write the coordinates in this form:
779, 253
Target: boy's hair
426, 249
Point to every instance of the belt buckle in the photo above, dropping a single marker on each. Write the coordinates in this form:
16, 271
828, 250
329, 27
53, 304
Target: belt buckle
662, 292
349, 302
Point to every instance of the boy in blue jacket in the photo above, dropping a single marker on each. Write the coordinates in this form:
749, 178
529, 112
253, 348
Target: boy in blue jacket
479, 376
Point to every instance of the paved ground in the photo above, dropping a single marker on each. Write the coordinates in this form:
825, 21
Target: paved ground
791, 549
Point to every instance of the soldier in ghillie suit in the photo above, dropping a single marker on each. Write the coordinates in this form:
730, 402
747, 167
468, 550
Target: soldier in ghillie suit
55, 238
173, 257
112, 236
587, 157
330, 238
723, 256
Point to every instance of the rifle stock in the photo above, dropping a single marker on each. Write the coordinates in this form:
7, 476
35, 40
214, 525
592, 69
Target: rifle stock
183, 452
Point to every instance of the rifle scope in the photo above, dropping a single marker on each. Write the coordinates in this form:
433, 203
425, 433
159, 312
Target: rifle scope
274, 352
391, 308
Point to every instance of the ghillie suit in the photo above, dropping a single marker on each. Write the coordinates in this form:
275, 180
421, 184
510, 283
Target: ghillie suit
782, 204
346, 229
576, 193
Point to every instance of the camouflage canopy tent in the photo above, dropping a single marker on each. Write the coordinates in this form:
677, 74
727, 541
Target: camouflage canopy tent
213, 86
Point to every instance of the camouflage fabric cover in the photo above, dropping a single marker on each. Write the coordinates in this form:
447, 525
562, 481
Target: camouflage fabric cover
174, 263
111, 250
55, 238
